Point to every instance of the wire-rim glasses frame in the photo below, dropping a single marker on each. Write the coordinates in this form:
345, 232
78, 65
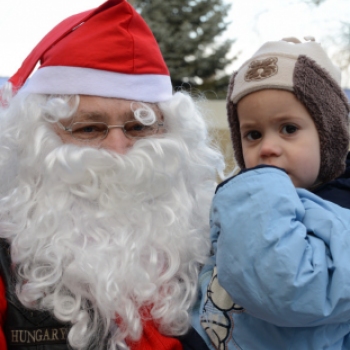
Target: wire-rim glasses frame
90, 131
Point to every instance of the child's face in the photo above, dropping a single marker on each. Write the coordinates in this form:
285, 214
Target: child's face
276, 129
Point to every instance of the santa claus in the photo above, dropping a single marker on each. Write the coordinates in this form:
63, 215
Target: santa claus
106, 182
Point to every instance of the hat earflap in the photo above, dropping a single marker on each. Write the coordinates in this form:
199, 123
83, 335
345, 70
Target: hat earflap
233, 122
329, 108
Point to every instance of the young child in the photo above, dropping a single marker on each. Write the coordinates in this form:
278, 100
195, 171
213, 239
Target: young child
279, 277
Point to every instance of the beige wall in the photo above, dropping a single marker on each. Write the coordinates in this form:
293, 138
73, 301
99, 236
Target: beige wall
215, 112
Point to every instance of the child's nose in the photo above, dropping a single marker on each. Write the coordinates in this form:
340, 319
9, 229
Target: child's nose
270, 147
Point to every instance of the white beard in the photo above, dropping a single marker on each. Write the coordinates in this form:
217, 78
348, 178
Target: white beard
112, 233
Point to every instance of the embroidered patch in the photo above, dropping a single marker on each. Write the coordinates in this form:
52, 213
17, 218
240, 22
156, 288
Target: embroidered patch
38, 336
261, 69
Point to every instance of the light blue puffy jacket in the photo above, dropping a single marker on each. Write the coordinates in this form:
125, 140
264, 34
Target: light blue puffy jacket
279, 277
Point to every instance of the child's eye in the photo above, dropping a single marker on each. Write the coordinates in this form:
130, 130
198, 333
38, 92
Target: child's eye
253, 135
289, 129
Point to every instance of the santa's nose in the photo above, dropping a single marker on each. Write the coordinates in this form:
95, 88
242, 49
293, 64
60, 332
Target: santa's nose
117, 141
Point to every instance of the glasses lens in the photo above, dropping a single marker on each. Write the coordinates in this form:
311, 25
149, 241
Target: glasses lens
138, 130
89, 130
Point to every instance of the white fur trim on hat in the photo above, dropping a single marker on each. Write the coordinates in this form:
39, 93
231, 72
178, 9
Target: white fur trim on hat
86, 81
272, 66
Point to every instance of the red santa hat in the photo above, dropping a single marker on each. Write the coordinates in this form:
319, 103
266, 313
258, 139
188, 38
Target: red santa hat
108, 51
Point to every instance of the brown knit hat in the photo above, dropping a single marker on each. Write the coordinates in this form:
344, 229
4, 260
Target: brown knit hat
304, 69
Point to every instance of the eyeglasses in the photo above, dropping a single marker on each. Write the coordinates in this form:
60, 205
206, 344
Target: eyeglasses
88, 131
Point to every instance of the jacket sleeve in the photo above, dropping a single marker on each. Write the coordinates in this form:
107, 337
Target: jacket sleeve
3, 307
282, 253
